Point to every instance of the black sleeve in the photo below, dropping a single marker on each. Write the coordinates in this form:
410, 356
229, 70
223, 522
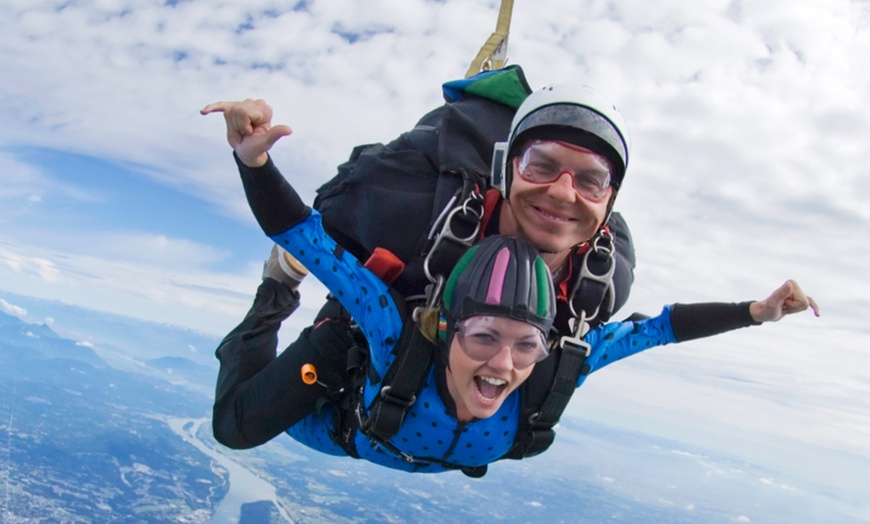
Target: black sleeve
691, 321
276, 205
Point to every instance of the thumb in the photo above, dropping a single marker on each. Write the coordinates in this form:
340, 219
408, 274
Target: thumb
274, 134
252, 149
779, 296
771, 308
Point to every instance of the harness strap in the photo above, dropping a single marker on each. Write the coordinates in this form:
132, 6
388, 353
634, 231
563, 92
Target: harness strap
592, 298
493, 53
401, 384
454, 231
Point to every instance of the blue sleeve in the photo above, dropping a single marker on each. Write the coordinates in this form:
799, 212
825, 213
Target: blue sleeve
617, 340
360, 291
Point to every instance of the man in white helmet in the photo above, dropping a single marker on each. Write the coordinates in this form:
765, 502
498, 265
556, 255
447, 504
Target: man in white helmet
553, 136
559, 173
556, 131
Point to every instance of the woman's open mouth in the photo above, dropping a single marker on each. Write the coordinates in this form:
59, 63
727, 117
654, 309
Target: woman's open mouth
489, 388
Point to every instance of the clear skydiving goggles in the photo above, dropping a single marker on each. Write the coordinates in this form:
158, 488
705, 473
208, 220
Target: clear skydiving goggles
541, 162
481, 338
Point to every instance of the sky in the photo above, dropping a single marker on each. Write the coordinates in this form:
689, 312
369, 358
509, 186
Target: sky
749, 163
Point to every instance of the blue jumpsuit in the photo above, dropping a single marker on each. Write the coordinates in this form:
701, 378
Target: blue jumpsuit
430, 440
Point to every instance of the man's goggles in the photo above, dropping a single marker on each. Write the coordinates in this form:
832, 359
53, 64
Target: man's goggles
539, 163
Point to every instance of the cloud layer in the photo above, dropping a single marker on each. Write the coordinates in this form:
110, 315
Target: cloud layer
748, 122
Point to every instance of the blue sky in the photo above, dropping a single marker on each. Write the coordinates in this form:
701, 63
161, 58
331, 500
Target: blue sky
749, 125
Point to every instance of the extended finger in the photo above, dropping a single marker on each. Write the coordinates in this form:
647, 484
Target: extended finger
804, 300
814, 306
214, 107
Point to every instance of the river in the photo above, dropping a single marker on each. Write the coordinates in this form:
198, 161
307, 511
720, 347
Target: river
245, 486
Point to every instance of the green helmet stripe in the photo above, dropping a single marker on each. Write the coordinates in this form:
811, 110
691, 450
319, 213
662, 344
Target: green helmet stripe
447, 298
543, 285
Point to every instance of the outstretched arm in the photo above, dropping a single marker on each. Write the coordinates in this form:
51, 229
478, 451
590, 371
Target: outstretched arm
681, 322
249, 129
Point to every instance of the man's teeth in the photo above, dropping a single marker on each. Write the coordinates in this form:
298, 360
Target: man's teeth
554, 217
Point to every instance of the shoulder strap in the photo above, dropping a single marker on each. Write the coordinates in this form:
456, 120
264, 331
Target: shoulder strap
453, 232
545, 395
400, 386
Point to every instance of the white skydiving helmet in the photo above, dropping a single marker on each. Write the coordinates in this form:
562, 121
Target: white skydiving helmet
575, 114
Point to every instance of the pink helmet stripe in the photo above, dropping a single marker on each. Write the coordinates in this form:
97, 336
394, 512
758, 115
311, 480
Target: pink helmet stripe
496, 279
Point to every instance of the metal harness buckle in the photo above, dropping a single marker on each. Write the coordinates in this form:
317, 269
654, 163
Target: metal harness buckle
471, 207
406, 403
602, 244
576, 342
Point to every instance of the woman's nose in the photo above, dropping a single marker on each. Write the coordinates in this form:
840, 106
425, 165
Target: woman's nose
502, 360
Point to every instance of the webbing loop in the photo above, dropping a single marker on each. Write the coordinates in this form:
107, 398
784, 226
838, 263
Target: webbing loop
459, 229
594, 285
493, 54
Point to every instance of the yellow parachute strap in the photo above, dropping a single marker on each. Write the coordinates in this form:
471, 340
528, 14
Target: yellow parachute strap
493, 54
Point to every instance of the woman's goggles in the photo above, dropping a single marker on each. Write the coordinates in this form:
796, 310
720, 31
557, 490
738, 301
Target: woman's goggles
480, 342
542, 163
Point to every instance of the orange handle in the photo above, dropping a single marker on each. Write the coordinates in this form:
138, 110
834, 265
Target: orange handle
309, 374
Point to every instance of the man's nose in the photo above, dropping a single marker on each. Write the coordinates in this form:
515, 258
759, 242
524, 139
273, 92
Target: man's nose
563, 187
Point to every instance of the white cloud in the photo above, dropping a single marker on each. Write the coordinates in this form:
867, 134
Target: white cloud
12, 309
152, 249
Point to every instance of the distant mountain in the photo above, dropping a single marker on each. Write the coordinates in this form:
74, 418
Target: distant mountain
120, 335
38, 340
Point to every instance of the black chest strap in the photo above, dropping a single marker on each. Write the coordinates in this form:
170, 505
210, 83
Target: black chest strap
545, 395
399, 387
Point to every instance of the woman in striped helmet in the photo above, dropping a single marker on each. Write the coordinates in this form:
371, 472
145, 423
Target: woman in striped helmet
500, 295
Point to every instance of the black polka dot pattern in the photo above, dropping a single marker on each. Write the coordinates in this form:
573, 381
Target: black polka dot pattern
360, 291
429, 434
